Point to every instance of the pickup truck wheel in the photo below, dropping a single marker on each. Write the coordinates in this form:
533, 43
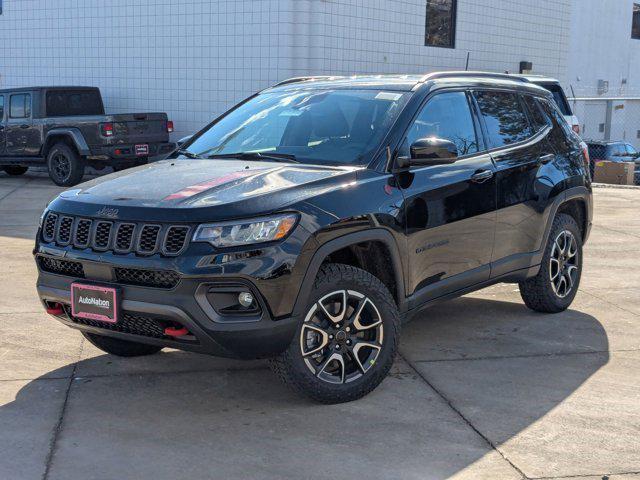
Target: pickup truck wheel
348, 340
121, 348
555, 286
15, 170
66, 167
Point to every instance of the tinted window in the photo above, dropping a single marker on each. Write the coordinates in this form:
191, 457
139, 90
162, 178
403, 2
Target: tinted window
635, 24
537, 116
504, 117
447, 116
561, 132
558, 97
69, 102
1, 108
317, 126
440, 30
20, 106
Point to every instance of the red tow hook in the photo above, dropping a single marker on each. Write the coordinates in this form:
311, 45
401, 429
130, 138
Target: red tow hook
176, 332
55, 309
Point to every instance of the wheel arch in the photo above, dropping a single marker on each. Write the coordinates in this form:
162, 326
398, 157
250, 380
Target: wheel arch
71, 136
344, 249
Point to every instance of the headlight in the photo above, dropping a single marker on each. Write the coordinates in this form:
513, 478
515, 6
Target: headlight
259, 230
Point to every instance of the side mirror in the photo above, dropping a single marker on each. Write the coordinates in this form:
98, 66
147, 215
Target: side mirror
430, 151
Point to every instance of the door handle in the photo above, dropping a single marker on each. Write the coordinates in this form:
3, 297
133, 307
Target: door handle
24, 127
546, 158
481, 176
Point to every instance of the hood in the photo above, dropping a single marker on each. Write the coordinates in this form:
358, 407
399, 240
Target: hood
236, 188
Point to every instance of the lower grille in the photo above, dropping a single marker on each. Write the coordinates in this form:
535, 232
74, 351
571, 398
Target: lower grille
147, 278
61, 267
129, 323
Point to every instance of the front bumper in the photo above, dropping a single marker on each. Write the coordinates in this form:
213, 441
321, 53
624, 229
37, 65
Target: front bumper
147, 310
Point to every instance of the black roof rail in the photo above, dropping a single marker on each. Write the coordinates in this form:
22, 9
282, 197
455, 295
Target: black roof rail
467, 73
304, 79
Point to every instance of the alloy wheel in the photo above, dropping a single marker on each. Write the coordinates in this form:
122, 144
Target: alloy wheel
563, 268
61, 166
341, 336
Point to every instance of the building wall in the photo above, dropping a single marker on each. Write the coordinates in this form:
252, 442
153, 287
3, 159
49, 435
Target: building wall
195, 58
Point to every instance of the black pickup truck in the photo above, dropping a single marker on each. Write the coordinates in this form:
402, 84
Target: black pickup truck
66, 128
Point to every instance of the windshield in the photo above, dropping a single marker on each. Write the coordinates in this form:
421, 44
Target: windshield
310, 126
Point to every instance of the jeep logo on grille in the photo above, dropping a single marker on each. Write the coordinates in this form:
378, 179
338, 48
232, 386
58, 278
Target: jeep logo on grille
108, 212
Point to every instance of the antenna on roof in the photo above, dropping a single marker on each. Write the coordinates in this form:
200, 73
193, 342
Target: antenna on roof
466, 67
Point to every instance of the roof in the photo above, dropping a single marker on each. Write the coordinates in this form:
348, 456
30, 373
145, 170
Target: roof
55, 87
538, 78
408, 82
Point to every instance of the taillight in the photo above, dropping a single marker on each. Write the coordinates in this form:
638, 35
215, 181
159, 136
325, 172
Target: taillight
170, 126
106, 129
576, 128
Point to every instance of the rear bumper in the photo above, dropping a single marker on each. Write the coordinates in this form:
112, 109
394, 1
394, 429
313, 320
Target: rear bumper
127, 152
145, 312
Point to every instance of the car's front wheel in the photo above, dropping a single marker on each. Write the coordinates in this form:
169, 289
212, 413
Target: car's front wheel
348, 340
555, 286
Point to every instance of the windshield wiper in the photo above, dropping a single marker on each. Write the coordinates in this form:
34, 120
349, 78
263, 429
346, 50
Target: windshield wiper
187, 153
273, 157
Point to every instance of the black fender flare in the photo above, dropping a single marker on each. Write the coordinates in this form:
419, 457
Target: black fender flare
574, 193
72, 133
374, 234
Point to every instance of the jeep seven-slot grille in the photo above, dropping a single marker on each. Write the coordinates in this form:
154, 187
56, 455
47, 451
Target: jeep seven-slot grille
119, 237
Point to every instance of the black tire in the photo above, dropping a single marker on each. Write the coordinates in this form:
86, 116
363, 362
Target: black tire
65, 165
121, 348
541, 293
378, 324
15, 170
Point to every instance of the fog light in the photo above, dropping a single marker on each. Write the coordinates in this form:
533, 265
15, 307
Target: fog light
245, 299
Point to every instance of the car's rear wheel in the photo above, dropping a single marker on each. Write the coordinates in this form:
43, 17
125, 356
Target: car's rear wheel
65, 165
348, 340
555, 286
121, 348
15, 170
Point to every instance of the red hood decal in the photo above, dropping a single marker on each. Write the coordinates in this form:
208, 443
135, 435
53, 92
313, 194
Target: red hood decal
192, 190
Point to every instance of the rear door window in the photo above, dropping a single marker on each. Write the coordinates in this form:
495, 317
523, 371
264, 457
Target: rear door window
64, 103
504, 117
20, 105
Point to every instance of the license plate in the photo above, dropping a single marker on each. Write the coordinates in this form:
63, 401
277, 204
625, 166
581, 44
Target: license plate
95, 302
142, 149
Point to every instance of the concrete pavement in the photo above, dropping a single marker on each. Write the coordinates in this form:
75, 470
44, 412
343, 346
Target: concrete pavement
484, 388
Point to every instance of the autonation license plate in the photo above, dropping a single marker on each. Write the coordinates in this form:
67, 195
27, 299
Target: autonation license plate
95, 302
142, 149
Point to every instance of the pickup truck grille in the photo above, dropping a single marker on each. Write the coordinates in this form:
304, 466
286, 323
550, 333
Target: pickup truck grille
118, 237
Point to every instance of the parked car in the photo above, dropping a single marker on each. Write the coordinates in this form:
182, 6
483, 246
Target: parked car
614, 152
559, 97
66, 128
304, 224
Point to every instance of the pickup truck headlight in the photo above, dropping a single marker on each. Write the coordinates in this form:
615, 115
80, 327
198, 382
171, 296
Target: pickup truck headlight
248, 232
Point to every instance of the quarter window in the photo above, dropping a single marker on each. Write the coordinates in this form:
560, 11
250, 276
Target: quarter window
504, 117
20, 106
440, 29
446, 116
635, 24
538, 118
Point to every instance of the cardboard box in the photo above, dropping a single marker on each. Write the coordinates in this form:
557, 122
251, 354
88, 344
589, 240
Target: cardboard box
616, 173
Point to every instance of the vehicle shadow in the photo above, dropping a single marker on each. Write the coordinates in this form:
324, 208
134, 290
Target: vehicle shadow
145, 418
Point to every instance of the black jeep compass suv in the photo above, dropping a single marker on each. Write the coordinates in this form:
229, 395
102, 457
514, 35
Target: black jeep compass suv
308, 221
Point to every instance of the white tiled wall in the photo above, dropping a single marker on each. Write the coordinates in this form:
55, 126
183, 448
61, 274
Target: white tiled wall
195, 58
